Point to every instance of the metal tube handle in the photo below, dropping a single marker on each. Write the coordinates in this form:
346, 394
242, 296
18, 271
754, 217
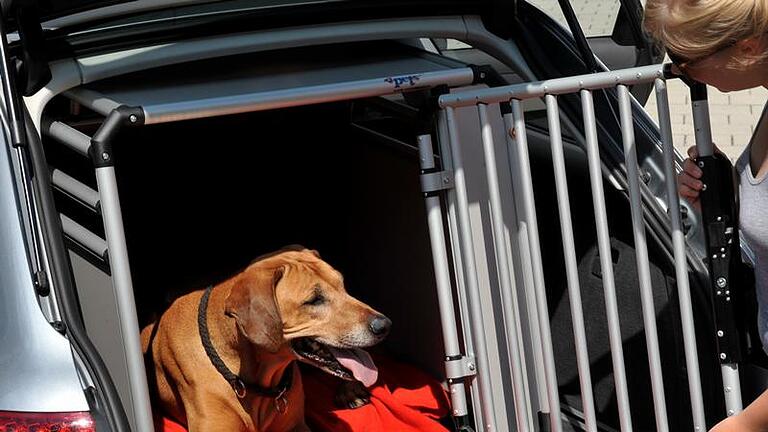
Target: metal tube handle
718, 208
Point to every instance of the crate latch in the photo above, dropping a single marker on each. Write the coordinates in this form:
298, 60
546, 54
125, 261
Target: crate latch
436, 181
460, 367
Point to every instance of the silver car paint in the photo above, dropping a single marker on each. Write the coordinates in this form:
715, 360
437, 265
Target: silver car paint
37, 370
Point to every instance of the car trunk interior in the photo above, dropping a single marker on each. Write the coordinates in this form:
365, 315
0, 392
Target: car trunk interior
219, 192
202, 198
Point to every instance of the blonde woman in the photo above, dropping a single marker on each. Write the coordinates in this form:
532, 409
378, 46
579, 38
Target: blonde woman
724, 43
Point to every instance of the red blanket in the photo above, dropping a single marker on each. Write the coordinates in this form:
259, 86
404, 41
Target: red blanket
403, 399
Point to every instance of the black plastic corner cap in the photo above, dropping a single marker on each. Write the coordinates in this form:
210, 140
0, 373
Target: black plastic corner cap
130, 115
100, 150
698, 89
486, 74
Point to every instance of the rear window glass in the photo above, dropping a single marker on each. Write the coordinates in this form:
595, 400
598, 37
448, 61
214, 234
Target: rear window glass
597, 17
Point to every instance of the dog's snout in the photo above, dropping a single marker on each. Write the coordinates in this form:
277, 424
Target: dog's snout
380, 325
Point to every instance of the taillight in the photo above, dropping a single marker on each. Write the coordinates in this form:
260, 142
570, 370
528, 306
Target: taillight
46, 422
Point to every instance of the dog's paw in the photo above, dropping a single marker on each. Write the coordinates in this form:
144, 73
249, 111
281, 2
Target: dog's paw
352, 394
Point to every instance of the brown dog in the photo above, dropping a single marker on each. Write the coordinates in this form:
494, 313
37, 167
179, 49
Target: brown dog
284, 306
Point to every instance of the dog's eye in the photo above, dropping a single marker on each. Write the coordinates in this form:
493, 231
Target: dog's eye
316, 300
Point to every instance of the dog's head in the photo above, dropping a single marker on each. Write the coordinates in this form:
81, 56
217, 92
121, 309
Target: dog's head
294, 297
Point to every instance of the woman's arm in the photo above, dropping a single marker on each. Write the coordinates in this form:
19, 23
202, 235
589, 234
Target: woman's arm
754, 418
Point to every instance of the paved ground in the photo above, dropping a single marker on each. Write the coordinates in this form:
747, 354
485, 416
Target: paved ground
596, 16
733, 115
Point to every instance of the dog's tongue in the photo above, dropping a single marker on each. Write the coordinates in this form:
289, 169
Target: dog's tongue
358, 362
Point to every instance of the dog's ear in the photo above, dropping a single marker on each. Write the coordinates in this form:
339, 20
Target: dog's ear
253, 304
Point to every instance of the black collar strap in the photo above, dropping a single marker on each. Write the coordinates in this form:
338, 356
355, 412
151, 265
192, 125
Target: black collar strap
240, 387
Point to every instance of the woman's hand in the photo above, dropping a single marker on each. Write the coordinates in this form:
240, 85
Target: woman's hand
754, 418
689, 182
733, 424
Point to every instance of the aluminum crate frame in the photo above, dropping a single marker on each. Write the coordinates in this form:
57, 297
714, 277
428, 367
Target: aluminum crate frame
110, 254
517, 142
446, 184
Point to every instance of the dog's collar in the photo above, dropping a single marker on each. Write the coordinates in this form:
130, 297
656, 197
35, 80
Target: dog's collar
241, 388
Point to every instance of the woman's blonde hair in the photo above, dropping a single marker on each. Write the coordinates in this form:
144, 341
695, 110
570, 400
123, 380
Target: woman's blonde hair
694, 29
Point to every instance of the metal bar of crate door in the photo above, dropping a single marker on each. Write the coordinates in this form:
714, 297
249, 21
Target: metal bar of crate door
571, 265
520, 145
442, 278
523, 415
705, 147
458, 266
530, 90
537, 382
470, 274
606, 261
702, 130
731, 387
123, 286
641, 257
681, 261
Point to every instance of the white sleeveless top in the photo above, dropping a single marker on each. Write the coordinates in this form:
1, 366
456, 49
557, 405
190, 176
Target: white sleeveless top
753, 221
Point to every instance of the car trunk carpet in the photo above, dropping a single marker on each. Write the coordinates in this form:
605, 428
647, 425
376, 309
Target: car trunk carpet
403, 399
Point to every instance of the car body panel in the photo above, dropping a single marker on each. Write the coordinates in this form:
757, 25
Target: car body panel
60, 13
38, 371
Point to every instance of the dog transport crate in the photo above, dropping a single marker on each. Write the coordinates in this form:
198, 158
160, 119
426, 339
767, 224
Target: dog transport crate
477, 213
719, 218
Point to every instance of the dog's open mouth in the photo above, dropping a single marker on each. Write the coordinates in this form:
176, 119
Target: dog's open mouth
345, 363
